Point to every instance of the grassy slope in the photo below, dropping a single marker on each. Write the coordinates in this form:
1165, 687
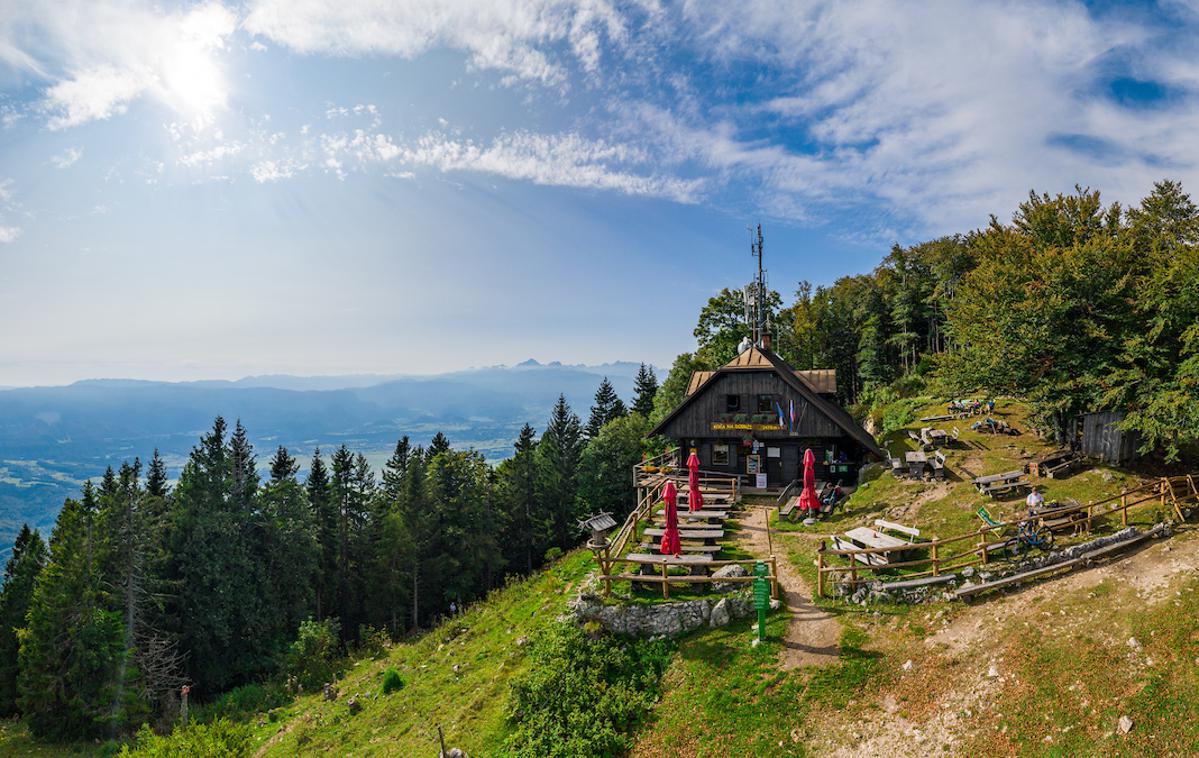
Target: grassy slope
467, 704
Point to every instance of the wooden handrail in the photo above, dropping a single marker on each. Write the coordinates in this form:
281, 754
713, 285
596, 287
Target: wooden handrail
977, 554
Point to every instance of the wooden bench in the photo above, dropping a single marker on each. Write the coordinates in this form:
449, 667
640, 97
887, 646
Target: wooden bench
897, 465
688, 534
938, 464
911, 532
787, 508
1003, 488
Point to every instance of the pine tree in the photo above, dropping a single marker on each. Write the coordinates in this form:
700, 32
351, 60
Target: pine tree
156, 477
20, 576
645, 386
396, 469
324, 520
216, 563
283, 466
608, 407
517, 492
71, 644
290, 549
439, 444
557, 467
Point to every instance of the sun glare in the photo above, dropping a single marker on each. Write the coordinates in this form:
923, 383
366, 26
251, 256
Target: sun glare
193, 83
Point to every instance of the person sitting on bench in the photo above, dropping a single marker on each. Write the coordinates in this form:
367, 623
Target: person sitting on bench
1035, 501
833, 496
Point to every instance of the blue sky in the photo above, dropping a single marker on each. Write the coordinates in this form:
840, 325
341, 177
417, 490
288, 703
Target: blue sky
330, 186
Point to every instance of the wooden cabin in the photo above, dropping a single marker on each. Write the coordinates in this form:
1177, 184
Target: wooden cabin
731, 416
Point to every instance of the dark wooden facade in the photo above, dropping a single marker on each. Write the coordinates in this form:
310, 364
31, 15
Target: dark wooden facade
1098, 437
733, 415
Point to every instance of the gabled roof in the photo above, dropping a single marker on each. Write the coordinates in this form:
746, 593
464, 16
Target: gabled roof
822, 380
758, 358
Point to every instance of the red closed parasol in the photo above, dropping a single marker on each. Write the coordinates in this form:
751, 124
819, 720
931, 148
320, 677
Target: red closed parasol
671, 544
695, 498
808, 501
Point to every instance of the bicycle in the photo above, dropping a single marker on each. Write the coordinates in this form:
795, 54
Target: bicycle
1030, 535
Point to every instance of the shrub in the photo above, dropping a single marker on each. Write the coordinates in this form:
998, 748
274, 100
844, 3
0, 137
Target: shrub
583, 696
553, 554
312, 659
392, 681
372, 642
242, 702
220, 737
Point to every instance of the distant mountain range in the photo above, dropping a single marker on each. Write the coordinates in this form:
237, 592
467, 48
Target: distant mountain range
53, 438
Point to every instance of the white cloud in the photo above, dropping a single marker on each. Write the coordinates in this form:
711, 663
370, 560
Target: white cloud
9, 234
274, 171
67, 157
515, 37
100, 55
214, 154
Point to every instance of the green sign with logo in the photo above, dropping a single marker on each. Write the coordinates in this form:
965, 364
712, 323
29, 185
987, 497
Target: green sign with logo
761, 595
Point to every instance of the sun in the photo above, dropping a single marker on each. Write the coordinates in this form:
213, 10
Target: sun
192, 82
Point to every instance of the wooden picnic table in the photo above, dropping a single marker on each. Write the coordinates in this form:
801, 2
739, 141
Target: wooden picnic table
669, 560
689, 534
702, 515
916, 456
981, 481
937, 435
867, 537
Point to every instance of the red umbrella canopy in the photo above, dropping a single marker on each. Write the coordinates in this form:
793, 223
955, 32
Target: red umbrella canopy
695, 498
671, 544
808, 501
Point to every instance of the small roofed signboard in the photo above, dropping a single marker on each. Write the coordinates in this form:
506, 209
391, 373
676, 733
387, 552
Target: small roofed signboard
728, 426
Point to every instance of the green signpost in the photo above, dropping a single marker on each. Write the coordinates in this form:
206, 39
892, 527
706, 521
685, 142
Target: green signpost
761, 596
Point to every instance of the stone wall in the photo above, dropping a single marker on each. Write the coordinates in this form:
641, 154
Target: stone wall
660, 619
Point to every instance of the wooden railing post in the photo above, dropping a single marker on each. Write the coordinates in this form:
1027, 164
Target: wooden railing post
607, 567
774, 577
820, 569
982, 545
665, 583
936, 562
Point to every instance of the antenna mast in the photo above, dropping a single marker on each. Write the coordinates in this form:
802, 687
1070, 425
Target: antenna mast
756, 302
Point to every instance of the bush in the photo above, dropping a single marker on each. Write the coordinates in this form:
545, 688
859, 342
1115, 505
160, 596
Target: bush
216, 738
312, 660
392, 681
241, 703
553, 554
372, 642
583, 696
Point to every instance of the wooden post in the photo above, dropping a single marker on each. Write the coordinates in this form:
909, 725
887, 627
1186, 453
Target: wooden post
607, 566
1090, 516
936, 565
441, 739
820, 569
853, 571
982, 545
1124, 507
774, 577
1194, 489
665, 584
769, 539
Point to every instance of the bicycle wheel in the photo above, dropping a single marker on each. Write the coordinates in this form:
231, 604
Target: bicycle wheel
1044, 538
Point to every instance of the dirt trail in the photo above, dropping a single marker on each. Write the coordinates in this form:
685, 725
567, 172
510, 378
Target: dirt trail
970, 688
813, 635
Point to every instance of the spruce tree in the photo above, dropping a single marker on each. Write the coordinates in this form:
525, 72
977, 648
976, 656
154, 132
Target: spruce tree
20, 575
439, 444
156, 477
557, 468
645, 386
324, 521
283, 466
517, 491
72, 643
396, 469
608, 407
290, 550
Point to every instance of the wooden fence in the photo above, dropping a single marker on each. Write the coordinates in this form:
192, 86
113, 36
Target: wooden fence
649, 493
1172, 492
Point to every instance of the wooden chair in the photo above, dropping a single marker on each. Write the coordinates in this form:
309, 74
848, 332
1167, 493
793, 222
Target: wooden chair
938, 464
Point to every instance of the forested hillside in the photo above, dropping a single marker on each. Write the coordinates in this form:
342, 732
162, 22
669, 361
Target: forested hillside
1073, 304
226, 577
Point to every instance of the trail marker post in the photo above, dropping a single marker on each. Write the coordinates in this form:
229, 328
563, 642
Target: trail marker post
761, 596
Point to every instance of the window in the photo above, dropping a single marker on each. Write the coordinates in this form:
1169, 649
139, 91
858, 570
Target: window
766, 404
720, 454
732, 403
